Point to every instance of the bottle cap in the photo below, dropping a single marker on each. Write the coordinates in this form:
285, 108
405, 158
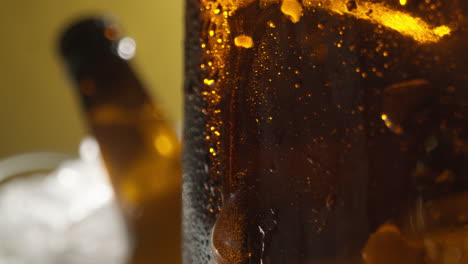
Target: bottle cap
87, 41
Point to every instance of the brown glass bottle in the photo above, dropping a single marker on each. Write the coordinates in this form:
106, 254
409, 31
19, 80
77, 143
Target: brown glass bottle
326, 132
139, 148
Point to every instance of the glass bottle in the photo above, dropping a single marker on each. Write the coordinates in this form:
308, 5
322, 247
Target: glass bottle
139, 148
326, 131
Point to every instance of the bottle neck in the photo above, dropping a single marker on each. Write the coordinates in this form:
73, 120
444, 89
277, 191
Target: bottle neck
109, 80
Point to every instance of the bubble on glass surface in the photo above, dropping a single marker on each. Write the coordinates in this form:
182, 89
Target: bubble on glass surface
243, 41
228, 235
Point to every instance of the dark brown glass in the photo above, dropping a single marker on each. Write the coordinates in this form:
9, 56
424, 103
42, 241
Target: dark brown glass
326, 132
139, 148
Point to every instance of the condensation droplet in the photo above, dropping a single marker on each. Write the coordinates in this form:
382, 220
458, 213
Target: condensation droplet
442, 31
228, 236
209, 82
292, 9
243, 41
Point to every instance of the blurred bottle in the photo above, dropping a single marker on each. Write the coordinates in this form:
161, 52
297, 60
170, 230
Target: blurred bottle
139, 148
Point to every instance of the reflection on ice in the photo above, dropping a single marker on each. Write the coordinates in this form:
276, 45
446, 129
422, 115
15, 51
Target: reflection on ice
63, 216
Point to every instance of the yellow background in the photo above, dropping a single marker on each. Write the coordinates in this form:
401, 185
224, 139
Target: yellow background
39, 110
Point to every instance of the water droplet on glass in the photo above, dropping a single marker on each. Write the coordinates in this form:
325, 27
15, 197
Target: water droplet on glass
228, 236
395, 128
209, 82
243, 41
271, 24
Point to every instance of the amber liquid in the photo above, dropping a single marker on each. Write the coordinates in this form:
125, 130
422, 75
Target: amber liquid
141, 154
326, 132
